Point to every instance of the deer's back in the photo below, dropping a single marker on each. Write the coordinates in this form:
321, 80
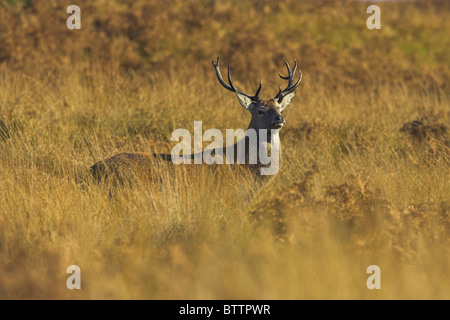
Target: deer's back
124, 166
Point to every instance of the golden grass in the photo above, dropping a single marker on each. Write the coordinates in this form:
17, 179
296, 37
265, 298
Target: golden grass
365, 169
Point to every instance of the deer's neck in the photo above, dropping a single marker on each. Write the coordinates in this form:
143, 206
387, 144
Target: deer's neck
264, 150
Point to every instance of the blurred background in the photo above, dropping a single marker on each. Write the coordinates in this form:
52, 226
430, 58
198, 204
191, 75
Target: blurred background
328, 38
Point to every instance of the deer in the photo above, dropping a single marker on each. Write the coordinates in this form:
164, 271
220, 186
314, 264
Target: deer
265, 115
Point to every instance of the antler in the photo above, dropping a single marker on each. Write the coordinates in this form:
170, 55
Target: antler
232, 87
290, 77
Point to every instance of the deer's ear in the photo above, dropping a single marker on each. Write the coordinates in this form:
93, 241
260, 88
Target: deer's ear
286, 100
243, 99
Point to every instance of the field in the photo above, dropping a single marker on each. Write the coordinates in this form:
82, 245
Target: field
365, 172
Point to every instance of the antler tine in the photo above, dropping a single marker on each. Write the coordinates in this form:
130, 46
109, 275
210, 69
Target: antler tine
258, 90
219, 76
291, 73
290, 77
288, 70
231, 82
278, 94
231, 86
295, 67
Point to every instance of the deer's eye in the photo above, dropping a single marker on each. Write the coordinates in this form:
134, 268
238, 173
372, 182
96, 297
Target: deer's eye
261, 112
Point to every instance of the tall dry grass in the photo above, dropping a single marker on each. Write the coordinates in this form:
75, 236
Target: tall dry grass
365, 170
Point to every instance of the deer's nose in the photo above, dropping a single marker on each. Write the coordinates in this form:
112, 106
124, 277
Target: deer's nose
279, 118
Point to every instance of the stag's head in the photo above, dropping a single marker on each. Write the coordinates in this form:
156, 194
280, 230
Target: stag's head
266, 114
